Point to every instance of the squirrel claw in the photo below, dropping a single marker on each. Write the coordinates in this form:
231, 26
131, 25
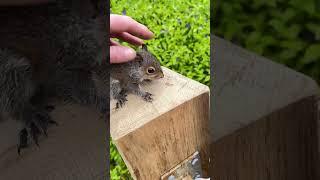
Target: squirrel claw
38, 125
23, 136
121, 101
147, 97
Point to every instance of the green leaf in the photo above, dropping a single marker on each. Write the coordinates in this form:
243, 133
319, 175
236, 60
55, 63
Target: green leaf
312, 53
296, 45
315, 28
287, 54
307, 6
292, 31
277, 25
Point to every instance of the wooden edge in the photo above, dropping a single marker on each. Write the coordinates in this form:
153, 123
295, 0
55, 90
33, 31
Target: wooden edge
130, 168
248, 87
186, 169
284, 143
132, 136
171, 91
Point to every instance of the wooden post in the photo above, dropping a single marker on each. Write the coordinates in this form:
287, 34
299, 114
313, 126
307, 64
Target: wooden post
76, 149
265, 118
155, 137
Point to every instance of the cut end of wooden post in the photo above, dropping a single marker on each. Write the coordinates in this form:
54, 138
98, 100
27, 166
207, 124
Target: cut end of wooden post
155, 137
169, 92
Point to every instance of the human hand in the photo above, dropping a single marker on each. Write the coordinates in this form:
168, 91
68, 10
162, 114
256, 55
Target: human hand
125, 28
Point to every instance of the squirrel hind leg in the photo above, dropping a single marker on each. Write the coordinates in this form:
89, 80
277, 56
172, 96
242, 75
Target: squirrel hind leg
17, 89
121, 98
118, 93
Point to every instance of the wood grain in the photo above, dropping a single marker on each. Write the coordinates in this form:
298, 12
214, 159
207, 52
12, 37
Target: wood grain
280, 146
168, 93
264, 118
167, 140
247, 87
155, 137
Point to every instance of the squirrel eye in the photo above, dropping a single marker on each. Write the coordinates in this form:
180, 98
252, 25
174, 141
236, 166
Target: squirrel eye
151, 70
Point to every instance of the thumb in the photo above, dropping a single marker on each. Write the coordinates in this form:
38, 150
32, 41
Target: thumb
120, 54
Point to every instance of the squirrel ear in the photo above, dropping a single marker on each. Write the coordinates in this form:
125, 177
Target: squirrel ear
138, 57
144, 47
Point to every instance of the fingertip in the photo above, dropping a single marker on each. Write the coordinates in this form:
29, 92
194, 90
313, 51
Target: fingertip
121, 54
123, 23
130, 54
147, 34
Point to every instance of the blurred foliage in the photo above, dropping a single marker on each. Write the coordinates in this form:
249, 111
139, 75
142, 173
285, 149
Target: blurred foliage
182, 34
118, 170
286, 31
181, 43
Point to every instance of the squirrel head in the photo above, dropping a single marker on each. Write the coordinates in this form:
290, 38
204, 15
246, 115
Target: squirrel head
149, 64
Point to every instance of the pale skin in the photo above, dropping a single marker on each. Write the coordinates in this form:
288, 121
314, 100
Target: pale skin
121, 27
129, 30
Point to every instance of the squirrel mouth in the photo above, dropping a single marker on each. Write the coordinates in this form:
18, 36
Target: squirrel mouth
153, 77
160, 76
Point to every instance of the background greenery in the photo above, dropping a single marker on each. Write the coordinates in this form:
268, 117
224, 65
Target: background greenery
181, 43
286, 31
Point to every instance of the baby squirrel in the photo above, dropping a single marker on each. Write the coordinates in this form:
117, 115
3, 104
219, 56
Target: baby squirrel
51, 50
127, 77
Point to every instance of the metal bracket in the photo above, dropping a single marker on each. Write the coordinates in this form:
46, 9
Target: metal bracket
189, 169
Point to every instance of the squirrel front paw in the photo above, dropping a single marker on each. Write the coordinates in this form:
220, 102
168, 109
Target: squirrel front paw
121, 99
147, 97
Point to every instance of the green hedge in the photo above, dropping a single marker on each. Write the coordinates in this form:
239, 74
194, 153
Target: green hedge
181, 43
118, 170
287, 31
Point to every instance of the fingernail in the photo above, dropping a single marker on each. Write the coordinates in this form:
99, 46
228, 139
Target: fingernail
150, 33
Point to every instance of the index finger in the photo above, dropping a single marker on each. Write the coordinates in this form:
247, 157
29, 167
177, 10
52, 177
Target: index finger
121, 23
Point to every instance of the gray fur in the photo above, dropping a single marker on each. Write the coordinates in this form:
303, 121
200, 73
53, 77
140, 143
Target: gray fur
16, 82
127, 77
51, 50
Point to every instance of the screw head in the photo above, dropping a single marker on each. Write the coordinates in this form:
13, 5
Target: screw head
171, 177
194, 161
